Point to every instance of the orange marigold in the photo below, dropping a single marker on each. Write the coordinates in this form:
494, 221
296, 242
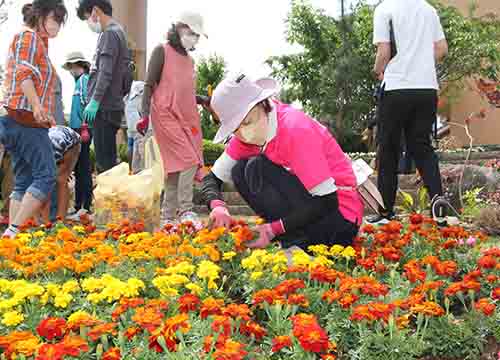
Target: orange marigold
485, 306
51, 328
280, 342
428, 308
188, 302
112, 354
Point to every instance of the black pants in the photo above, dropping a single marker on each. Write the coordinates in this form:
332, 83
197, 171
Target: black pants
83, 177
413, 111
273, 193
106, 125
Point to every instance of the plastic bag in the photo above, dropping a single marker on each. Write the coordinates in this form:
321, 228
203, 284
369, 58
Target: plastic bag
138, 160
120, 196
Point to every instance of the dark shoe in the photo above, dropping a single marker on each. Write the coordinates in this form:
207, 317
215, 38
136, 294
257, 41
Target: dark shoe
439, 210
380, 219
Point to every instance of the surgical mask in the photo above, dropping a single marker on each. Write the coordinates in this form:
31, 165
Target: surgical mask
94, 26
76, 73
255, 133
189, 42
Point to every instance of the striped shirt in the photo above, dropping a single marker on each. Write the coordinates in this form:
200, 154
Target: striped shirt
29, 59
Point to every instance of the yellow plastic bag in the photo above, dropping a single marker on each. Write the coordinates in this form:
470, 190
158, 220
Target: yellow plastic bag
120, 196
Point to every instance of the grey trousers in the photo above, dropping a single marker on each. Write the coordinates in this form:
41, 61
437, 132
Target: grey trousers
179, 193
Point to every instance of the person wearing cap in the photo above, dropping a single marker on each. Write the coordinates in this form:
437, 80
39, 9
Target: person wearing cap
170, 102
79, 68
108, 79
286, 165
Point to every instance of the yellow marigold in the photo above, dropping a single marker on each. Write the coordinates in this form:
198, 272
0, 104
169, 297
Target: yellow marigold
320, 249
208, 270
39, 234
183, 267
336, 250
62, 300
321, 261
256, 275
70, 286
228, 255
79, 229
27, 347
12, 318
349, 252
195, 289
300, 258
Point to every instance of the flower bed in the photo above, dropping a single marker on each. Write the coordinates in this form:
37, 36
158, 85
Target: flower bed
401, 292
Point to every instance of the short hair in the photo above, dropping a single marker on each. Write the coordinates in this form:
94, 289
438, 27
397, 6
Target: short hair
86, 6
84, 65
41, 9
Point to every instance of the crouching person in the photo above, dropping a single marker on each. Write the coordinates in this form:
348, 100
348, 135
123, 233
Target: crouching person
66, 144
287, 166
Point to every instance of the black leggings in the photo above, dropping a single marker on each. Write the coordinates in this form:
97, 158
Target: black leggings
274, 193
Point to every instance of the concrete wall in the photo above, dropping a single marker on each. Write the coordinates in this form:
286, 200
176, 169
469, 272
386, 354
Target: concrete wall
132, 14
488, 130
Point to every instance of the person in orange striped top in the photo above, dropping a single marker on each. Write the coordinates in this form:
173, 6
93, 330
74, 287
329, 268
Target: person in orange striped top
29, 102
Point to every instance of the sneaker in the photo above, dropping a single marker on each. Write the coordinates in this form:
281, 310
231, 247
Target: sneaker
77, 216
439, 210
380, 219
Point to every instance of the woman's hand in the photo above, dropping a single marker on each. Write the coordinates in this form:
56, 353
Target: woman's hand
220, 217
266, 235
41, 117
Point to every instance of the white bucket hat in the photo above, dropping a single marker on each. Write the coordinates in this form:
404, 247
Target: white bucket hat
233, 99
73, 58
195, 22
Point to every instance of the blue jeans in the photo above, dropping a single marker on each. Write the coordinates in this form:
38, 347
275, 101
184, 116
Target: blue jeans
32, 157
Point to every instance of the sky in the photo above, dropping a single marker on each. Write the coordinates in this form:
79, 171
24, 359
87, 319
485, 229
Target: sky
244, 32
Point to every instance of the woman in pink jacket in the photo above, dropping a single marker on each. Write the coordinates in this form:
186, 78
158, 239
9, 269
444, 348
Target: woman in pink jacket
286, 165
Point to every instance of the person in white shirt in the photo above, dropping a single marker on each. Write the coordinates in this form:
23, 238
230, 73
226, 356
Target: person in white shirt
409, 101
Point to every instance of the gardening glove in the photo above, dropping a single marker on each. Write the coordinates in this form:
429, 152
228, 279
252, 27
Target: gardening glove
265, 236
142, 125
90, 111
200, 174
219, 215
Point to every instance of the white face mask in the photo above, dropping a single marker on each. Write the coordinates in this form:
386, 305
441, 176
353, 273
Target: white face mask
94, 26
189, 42
254, 133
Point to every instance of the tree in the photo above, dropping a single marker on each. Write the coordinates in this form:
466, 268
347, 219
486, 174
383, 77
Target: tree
210, 72
332, 76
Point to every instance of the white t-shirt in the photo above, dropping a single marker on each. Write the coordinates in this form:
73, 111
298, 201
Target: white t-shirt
416, 29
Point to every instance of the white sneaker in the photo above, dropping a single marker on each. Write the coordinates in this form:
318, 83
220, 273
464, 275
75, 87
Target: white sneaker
77, 216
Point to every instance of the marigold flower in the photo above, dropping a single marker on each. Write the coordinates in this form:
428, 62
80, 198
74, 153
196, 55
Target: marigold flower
211, 306
331, 296
51, 328
280, 342
487, 262
238, 311
188, 302
249, 328
51, 352
298, 299
485, 306
231, 350
314, 340
221, 324
428, 308
148, 318
74, 345
112, 354
290, 286
12, 318
347, 300
496, 293
103, 329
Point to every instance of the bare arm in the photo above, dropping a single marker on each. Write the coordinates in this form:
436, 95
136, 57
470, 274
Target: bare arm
29, 90
382, 58
440, 50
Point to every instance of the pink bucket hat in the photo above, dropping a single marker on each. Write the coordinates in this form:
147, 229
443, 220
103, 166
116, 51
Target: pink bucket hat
233, 99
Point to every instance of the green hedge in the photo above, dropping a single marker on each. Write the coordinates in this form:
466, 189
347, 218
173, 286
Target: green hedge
211, 152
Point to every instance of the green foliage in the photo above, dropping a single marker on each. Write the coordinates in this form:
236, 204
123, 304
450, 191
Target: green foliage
473, 204
211, 151
417, 205
209, 72
458, 339
332, 77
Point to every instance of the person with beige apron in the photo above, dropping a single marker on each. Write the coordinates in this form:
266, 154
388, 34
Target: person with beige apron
170, 102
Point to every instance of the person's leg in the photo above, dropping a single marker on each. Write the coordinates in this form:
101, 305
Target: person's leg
419, 130
7, 183
105, 140
87, 181
393, 112
170, 199
273, 193
64, 171
130, 152
185, 189
33, 147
